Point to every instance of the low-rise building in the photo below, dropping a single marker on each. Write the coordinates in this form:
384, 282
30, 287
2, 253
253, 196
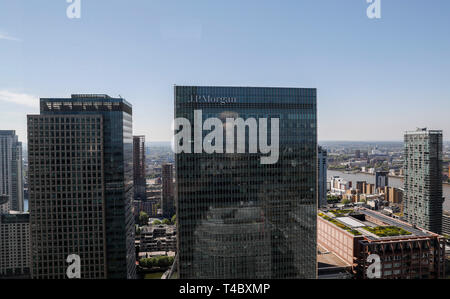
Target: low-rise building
404, 251
158, 238
339, 186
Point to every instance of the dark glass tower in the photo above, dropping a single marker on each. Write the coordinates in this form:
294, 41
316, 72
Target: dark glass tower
322, 176
81, 186
167, 198
239, 218
139, 167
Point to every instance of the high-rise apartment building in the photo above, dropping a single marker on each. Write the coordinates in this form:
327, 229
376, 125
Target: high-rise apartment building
81, 186
423, 179
168, 196
139, 167
11, 171
322, 175
15, 255
240, 218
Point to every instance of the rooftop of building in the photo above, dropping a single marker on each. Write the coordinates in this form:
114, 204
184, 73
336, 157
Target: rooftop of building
372, 225
327, 259
15, 217
330, 266
149, 229
103, 98
423, 131
8, 132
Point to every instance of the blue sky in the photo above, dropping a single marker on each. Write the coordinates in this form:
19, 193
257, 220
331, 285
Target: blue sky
375, 78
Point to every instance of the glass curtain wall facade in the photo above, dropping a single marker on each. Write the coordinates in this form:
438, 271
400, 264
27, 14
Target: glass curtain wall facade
139, 168
11, 172
322, 176
239, 218
63, 122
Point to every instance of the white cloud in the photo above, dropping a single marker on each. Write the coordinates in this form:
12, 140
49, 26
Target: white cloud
7, 37
19, 98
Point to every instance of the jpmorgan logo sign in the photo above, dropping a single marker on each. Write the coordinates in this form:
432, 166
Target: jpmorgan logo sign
235, 130
210, 99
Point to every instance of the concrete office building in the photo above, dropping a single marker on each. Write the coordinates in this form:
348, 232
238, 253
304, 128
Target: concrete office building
139, 168
15, 254
423, 197
237, 217
81, 187
11, 171
322, 175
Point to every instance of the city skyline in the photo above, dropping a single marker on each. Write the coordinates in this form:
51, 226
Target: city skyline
363, 68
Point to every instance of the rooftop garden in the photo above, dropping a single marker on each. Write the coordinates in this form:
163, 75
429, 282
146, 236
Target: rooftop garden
340, 225
387, 231
340, 213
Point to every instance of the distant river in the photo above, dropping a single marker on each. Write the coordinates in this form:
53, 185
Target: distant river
393, 182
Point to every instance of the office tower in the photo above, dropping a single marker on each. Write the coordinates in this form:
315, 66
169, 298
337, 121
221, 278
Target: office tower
239, 215
423, 179
381, 179
11, 171
168, 196
139, 167
15, 255
81, 186
322, 174
358, 154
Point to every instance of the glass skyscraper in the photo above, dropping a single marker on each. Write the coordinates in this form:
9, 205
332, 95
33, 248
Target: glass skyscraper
423, 197
139, 168
237, 217
322, 165
81, 186
11, 171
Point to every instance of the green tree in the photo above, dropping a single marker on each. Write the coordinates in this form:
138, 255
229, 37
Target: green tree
174, 219
143, 218
156, 222
166, 221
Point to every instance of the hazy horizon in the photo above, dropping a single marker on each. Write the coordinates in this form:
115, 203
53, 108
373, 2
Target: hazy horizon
376, 78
